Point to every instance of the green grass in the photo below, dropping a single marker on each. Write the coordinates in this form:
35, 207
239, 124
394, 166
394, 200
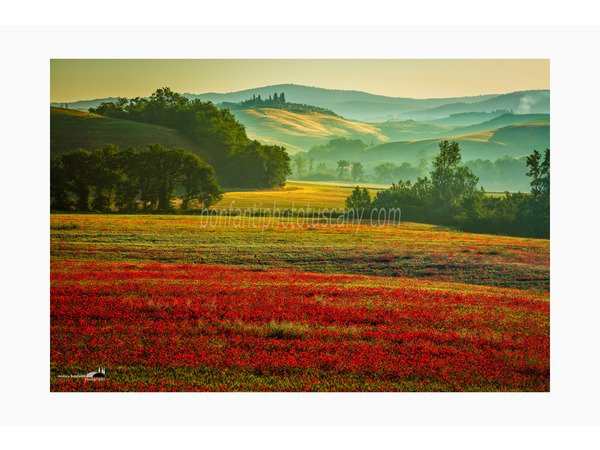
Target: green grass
407, 250
70, 129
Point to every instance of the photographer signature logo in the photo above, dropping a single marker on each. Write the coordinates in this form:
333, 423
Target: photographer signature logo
99, 375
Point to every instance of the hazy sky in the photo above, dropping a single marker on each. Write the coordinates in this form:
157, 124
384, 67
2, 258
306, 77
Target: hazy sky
86, 79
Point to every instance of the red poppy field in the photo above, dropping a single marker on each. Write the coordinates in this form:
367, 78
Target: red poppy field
165, 304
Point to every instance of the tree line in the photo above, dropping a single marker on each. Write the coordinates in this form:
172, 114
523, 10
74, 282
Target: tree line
237, 160
504, 174
131, 180
304, 168
258, 100
277, 101
322, 163
450, 196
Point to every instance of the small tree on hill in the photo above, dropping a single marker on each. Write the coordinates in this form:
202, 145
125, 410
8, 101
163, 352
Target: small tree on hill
539, 170
359, 200
342, 168
384, 173
451, 182
357, 171
300, 163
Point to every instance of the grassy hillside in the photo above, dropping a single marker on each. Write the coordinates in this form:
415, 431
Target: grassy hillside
504, 120
523, 102
300, 131
408, 130
516, 140
465, 119
70, 129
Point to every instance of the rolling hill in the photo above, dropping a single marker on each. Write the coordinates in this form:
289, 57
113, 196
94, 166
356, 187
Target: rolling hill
300, 131
504, 120
514, 140
465, 119
524, 102
362, 106
510, 134
411, 130
70, 129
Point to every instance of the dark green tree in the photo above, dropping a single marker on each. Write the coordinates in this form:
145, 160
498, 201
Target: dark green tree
198, 179
358, 200
451, 182
277, 165
259, 166
59, 186
223, 140
170, 162
539, 171
104, 176
160, 171
112, 109
77, 165
128, 187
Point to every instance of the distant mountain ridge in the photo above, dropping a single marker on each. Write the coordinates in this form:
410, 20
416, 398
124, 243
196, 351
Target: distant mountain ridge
363, 106
313, 95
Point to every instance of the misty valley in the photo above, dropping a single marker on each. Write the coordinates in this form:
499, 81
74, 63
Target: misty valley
344, 136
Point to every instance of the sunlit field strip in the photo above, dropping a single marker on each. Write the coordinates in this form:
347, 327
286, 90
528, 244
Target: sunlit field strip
293, 195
